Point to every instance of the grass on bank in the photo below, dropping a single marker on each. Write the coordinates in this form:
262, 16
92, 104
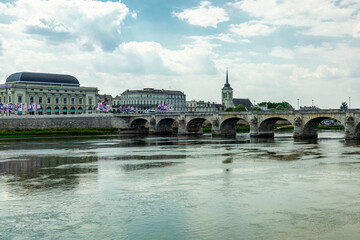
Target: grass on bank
53, 133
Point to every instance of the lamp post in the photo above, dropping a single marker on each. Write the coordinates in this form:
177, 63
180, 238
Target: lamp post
312, 103
298, 104
349, 102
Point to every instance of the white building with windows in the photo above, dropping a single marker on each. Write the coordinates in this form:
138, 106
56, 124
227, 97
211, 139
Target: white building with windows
150, 98
201, 106
55, 93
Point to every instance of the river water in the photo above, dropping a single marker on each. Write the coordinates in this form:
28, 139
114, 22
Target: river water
203, 187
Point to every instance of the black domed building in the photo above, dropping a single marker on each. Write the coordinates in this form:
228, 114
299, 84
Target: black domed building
51, 93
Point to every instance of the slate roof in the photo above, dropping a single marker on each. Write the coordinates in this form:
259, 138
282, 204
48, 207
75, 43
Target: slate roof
43, 78
244, 101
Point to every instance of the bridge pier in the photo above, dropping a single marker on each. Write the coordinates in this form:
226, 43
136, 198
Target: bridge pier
255, 132
350, 129
186, 128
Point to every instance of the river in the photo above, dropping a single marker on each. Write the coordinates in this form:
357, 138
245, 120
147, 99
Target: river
146, 187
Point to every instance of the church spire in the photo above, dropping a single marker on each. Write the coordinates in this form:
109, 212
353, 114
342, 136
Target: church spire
227, 85
227, 77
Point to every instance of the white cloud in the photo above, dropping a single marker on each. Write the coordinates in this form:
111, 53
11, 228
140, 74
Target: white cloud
251, 29
204, 15
282, 53
319, 17
67, 20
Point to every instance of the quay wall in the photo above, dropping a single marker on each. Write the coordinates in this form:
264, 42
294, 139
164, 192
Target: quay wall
84, 121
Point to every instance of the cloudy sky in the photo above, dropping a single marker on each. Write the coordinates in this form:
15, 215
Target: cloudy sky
275, 50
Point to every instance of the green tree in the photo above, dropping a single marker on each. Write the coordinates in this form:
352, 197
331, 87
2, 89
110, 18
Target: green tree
240, 108
280, 108
256, 109
270, 105
230, 109
343, 106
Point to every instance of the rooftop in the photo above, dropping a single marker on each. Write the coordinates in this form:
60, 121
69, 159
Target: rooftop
43, 78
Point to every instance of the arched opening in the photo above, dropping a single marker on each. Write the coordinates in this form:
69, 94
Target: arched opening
56, 110
90, 110
80, 110
321, 123
64, 110
48, 110
228, 126
72, 110
165, 126
195, 125
140, 125
268, 126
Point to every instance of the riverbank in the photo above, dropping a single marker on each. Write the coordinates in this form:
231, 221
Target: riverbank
55, 133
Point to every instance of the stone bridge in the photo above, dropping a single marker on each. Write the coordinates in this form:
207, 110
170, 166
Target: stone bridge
223, 124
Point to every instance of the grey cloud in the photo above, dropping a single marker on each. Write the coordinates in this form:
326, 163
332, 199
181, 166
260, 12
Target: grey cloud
51, 31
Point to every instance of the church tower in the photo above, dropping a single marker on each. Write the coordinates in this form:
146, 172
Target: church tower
227, 93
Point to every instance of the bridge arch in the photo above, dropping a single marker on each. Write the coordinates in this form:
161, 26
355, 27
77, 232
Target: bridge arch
266, 126
310, 129
195, 125
139, 123
165, 126
228, 126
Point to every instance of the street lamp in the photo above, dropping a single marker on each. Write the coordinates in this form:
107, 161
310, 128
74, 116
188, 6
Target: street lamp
349, 102
298, 104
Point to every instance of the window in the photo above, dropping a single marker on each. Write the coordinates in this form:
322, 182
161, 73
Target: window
31, 99
80, 101
57, 100
19, 99
65, 100
40, 99
72, 100
90, 100
9, 99
48, 100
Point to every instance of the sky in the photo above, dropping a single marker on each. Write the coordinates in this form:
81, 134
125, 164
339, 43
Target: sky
296, 51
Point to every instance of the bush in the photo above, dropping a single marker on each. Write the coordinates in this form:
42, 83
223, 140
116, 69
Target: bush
230, 109
280, 108
256, 109
240, 108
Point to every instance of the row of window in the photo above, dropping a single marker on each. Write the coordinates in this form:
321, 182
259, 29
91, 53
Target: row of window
49, 90
48, 100
152, 96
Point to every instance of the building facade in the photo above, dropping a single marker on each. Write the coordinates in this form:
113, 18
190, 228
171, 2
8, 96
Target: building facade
51, 93
227, 93
150, 98
200, 106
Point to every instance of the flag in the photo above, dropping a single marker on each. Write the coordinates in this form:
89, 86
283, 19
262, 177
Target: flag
38, 106
25, 107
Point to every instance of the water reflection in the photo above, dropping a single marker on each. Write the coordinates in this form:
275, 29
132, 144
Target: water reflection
149, 165
45, 172
180, 188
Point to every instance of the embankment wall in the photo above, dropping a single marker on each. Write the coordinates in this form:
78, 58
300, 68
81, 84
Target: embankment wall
97, 121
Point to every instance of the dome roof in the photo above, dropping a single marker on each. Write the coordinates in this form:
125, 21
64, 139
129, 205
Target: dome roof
43, 78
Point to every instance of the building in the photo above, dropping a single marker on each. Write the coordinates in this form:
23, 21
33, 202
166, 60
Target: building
227, 93
243, 101
51, 93
200, 106
227, 96
150, 98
